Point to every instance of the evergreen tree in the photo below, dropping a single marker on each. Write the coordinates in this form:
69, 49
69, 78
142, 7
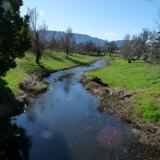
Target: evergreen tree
14, 34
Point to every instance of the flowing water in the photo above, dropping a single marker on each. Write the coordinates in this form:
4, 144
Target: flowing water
64, 124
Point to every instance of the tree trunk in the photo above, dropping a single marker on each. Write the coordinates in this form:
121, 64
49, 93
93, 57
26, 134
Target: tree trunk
138, 57
129, 61
38, 56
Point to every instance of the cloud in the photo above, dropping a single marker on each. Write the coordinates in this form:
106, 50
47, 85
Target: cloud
41, 13
111, 36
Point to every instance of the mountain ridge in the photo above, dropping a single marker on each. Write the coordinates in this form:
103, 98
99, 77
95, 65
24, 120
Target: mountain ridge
81, 38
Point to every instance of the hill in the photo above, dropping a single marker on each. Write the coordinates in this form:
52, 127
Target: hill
81, 38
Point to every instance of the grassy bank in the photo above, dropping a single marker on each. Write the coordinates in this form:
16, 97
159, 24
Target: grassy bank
141, 78
27, 65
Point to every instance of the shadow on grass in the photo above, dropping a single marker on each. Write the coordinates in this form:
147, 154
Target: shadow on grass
57, 58
5, 92
8, 103
78, 55
42, 66
72, 59
31, 68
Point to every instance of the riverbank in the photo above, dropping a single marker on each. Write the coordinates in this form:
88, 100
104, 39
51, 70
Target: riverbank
27, 79
121, 96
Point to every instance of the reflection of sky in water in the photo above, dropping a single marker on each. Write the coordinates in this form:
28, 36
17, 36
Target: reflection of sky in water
46, 134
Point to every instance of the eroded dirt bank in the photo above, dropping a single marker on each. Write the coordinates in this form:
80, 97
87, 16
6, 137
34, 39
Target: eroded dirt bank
117, 102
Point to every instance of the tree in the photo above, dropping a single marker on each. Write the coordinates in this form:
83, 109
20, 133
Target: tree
137, 46
126, 50
89, 47
145, 37
68, 39
61, 44
106, 45
38, 34
14, 34
43, 43
155, 48
53, 43
140, 44
112, 47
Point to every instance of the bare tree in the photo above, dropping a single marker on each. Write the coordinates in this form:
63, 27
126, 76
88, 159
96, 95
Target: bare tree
42, 37
111, 47
105, 45
68, 39
60, 44
38, 33
53, 43
90, 47
126, 50
136, 44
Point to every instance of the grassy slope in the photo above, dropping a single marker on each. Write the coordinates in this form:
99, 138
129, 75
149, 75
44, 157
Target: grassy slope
27, 65
142, 78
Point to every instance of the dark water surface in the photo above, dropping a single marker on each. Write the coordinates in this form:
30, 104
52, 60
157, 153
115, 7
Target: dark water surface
64, 124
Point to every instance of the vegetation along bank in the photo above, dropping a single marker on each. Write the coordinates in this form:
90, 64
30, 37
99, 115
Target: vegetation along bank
130, 91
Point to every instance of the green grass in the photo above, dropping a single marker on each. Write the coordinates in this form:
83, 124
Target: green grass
27, 65
140, 77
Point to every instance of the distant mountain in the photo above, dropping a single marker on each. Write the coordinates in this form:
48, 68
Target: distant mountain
81, 38
119, 43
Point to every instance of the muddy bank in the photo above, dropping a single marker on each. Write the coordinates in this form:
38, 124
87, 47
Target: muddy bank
117, 102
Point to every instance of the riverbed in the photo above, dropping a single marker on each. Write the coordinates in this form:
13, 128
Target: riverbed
64, 124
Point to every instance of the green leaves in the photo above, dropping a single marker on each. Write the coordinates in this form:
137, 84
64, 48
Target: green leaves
14, 34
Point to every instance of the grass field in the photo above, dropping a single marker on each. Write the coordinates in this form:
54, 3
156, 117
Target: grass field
27, 65
141, 78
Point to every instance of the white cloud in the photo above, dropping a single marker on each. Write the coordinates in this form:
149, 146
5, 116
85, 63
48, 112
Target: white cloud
41, 13
111, 36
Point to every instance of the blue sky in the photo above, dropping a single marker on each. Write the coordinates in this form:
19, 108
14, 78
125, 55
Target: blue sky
106, 19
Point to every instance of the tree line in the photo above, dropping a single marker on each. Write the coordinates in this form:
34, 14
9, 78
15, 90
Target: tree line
64, 43
146, 45
19, 34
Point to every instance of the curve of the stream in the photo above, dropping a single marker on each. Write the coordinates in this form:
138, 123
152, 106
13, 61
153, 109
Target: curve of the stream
64, 124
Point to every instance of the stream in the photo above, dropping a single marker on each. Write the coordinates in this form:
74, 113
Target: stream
64, 124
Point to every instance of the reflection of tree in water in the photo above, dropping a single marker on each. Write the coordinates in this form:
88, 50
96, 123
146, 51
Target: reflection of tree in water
67, 85
31, 114
14, 143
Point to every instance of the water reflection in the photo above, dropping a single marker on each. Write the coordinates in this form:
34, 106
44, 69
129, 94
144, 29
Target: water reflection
14, 142
67, 85
52, 145
31, 114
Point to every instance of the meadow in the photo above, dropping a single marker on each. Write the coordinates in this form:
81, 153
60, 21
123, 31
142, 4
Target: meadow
143, 79
50, 62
